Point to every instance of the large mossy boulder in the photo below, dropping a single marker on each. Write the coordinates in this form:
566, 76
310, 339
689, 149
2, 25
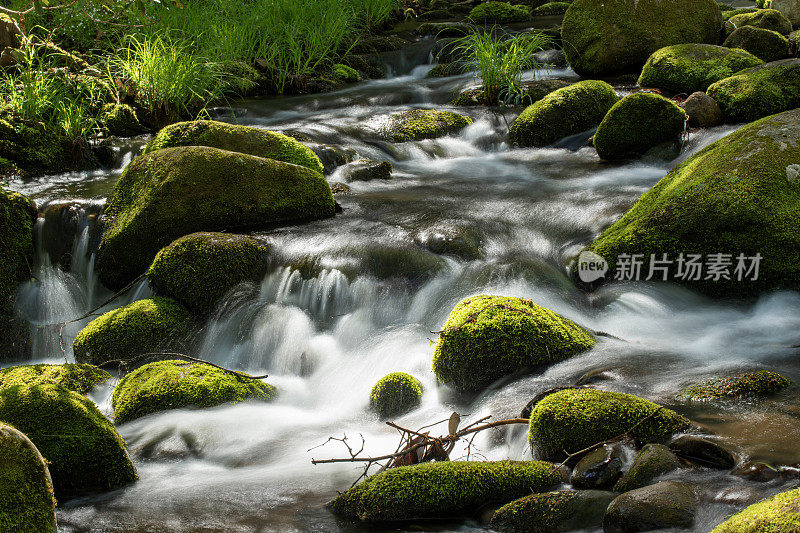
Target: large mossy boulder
17, 218
665, 505
767, 45
603, 38
738, 196
487, 338
176, 384
767, 19
126, 335
85, 452
744, 385
173, 192
789, 8
564, 112
395, 394
420, 124
233, 138
74, 377
198, 270
778, 514
759, 91
573, 419
27, 502
451, 489
688, 68
499, 13
552, 512
636, 124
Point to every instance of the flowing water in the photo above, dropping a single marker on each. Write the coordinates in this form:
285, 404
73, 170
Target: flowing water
355, 297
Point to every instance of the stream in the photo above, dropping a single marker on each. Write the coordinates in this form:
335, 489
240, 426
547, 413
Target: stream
355, 297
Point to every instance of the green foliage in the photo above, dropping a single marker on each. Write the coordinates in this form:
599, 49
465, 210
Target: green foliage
778, 514
743, 385
395, 394
75, 377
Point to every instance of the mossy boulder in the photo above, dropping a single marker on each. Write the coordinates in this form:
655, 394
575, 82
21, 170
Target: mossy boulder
728, 13
743, 385
636, 124
175, 384
85, 452
198, 270
27, 503
367, 170
345, 74
551, 9
737, 196
688, 68
767, 19
234, 138
451, 489
767, 45
121, 120
551, 512
173, 192
653, 460
499, 13
419, 124
395, 394
573, 419
564, 112
128, 333
778, 514
74, 377
602, 38
665, 505
598, 469
487, 338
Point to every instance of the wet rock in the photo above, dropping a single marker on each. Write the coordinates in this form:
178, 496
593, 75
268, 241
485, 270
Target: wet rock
757, 384
27, 503
499, 13
453, 239
764, 473
395, 394
767, 19
703, 111
764, 44
487, 338
599, 469
780, 513
667, 504
340, 188
10, 34
552, 512
419, 124
120, 120
596, 375
367, 170
387, 261
331, 157
636, 124
554, 58
63, 224
703, 452
653, 460
74, 377
788, 8
574, 419
448, 489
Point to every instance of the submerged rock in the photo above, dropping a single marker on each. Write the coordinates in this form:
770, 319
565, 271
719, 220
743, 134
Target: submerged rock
757, 384
487, 338
668, 504
395, 394
599, 469
552, 512
499, 13
74, 377
702, 452
176, 384
450, 489
654, 460
767, 45
702, 110
419, 124
451, 239
779, 514
767, 19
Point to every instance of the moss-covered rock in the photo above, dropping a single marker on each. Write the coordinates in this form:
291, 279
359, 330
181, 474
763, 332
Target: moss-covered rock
121, 120
727, 14
487, 338
734, 197
551, 512
551, 9
767, 45
395, 394
568, 111
173, 192
419, 124
499, 13
10, 34
573, 419
74, 377
199, 269
687, 68
166, 385
444, 70
756, 384
449, 489
768, 19
345, 74
27, 503
602, 38
636, 124
30, 147
85, 452
665, 505
653, 460
234, 138
126, 334
778, 514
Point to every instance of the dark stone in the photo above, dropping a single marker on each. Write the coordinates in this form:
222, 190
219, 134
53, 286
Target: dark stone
563, 510
654, 460
703, 111
599, 469
367, 170
703, 452
668, 504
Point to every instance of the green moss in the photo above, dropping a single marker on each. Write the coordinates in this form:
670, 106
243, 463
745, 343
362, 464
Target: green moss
395, 394
199, 269
121, 120
166, 385
85, 452
551, 9
32, 147
345, 74
490, 337
562, 113
687, 68
419, 124
727, 14
74, 377
27, 502
653, 460
732, 197
778, 514
573, 419
765, 44
442, 489
126, 333
499, 13
743, 385
602, 38
768, 19
552, 512
173, 192
243, 139
636, 124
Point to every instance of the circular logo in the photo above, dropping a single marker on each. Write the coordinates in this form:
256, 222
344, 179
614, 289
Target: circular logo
591, 267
